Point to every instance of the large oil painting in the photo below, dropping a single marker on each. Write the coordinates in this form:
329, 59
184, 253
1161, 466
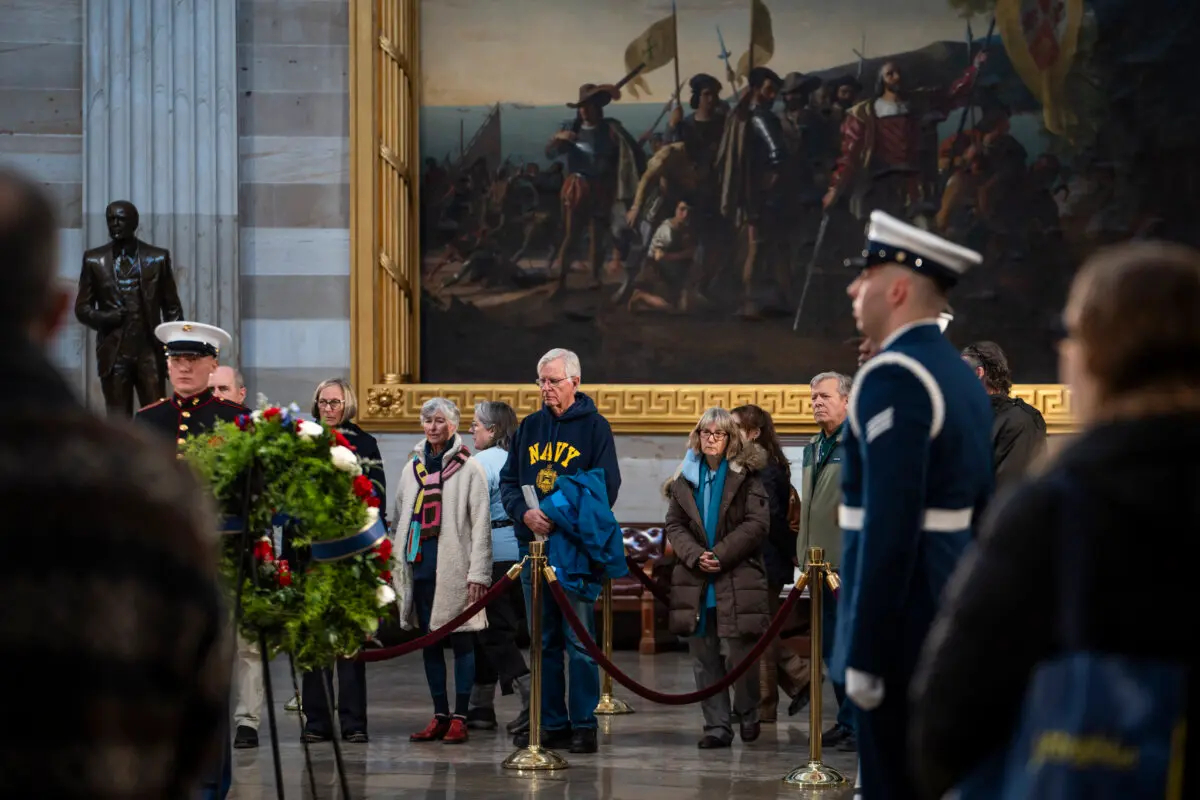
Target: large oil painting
602, 176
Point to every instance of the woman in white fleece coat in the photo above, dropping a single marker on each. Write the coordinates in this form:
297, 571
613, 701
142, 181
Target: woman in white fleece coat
444, 547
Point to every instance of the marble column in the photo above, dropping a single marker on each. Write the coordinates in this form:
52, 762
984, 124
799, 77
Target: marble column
160, 130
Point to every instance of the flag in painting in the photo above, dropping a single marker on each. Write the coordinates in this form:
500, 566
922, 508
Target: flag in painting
762, 39
655, 48
1040, 37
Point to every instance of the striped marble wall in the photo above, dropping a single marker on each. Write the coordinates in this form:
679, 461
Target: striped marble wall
293, 127
41, 120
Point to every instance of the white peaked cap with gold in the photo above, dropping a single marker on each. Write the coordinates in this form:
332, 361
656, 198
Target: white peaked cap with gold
193, 338
890, 241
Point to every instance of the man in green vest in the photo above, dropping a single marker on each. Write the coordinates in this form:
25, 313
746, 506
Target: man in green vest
820, 495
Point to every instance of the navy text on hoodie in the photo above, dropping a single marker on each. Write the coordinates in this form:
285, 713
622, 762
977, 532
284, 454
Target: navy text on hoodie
547, 446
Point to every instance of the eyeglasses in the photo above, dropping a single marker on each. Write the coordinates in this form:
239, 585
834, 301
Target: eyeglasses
714, 436
333, 404
542, 382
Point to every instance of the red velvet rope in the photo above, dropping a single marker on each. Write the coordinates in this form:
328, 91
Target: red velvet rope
589, 644
433, 637
648, 583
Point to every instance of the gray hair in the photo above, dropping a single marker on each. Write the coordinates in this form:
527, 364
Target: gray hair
435, 404
844, 382
570, 362
499, 418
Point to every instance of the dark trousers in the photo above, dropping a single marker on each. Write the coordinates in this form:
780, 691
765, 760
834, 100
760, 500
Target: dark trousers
882, 746
829, 608
141, 373
351, 699
497, 657
216, 783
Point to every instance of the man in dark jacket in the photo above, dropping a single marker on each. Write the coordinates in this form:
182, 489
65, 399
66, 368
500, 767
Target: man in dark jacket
1019, 430
109, 567
566, 436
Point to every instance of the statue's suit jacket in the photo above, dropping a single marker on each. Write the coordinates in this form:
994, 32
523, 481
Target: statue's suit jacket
98, 303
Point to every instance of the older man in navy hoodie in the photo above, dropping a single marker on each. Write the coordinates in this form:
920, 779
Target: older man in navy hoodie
568, 435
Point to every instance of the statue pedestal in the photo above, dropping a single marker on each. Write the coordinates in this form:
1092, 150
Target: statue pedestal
160, 130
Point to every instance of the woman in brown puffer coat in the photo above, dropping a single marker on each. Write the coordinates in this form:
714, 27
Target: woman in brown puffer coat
717, 521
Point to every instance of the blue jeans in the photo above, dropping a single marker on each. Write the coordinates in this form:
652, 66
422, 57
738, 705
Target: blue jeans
463, 644
578, 709
561, 708
845, 715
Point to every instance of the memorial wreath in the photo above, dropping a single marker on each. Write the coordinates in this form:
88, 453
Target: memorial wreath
273, 469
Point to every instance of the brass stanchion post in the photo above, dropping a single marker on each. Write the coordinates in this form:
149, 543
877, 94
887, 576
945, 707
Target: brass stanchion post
534, 757
608, 704
814, 774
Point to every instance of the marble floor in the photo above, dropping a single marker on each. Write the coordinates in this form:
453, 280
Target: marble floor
649, 754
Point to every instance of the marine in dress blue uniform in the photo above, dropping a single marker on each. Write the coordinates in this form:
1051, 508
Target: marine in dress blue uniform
917, 473
180, 417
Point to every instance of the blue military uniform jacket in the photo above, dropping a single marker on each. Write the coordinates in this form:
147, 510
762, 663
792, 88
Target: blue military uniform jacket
180, 417
917, 474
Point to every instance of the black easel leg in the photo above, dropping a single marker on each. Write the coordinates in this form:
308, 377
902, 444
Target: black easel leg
312, 778
334, 728
266, 666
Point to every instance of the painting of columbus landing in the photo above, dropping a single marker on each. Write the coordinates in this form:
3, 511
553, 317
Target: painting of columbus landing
670, 189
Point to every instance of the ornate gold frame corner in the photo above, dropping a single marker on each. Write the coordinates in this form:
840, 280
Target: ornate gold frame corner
385, 267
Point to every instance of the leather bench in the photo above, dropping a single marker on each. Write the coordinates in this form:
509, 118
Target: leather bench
646, 544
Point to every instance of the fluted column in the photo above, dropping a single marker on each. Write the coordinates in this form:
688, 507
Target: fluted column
160, 130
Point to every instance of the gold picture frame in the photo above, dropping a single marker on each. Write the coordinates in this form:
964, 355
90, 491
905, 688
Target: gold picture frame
385, 313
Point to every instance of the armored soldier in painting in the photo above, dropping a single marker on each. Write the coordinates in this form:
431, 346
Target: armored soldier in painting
192, 351
916, 476
126, 288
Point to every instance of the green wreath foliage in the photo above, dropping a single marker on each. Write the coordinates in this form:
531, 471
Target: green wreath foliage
310, 480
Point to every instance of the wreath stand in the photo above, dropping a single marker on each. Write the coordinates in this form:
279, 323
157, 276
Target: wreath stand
254, 484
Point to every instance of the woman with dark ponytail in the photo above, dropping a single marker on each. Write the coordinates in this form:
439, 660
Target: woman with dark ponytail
779, 666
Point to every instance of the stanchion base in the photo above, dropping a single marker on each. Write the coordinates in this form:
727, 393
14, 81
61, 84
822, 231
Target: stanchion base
535, 759
610, 705
815, 775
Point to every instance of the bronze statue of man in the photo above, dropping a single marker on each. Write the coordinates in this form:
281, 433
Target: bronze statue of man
126, 289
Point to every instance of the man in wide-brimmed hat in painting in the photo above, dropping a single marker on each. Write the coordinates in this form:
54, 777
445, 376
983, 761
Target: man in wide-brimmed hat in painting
603, 165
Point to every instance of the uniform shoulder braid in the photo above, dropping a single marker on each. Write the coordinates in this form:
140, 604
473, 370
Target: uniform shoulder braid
155, 404
880, 371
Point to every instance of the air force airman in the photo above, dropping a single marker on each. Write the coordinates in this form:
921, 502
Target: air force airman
917, 473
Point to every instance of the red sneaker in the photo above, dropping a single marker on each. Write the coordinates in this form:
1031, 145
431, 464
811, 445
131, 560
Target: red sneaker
434, 731
458, 731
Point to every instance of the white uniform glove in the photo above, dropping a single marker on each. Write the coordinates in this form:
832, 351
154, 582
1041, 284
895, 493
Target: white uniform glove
865, 690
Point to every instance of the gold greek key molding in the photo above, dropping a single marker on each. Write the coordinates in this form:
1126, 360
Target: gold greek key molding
645, 408
385, 272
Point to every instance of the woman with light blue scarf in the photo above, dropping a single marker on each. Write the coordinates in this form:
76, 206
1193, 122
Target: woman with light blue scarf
717, 521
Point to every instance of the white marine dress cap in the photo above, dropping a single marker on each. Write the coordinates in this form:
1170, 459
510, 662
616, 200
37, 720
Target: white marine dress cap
193, 338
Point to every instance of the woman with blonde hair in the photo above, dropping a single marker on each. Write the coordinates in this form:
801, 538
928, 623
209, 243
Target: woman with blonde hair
1050, 628
717, 521
334, 405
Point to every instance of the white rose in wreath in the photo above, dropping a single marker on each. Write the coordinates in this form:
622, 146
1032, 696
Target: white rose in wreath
345, 460
309, 430
385, 594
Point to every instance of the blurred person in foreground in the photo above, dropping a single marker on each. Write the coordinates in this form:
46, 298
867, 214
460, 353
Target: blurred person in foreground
1043, 614
115, 592
917, 472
